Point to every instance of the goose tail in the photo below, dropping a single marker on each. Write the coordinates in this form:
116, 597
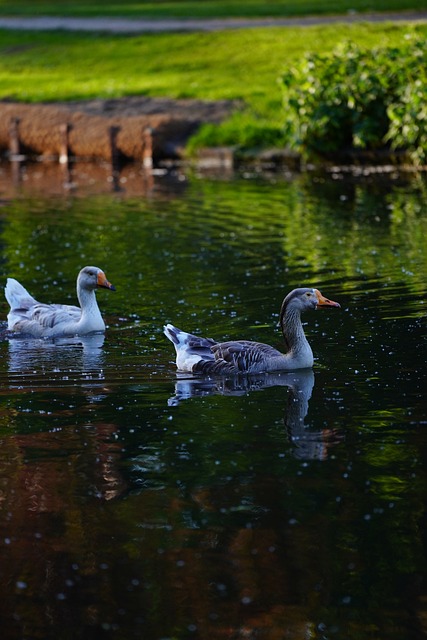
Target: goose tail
190, 350
17, 295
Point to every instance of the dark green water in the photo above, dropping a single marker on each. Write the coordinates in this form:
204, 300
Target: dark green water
135, 503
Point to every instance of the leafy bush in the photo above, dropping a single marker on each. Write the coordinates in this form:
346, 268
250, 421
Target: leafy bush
354, 98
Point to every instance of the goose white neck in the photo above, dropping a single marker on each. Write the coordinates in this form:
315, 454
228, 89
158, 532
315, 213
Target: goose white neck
90, 309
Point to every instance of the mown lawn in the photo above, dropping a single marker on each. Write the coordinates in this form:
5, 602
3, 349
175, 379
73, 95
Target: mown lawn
243, 64
202, 8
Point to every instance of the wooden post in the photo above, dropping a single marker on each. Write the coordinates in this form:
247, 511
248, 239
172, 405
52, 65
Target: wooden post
64, 150
14, 146
113, 132
147, 154
15, 151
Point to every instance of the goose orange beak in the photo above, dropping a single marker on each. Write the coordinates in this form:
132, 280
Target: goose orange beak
324, 302
103, 282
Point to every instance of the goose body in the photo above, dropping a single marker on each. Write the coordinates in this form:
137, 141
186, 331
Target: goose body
39, 320
206, 356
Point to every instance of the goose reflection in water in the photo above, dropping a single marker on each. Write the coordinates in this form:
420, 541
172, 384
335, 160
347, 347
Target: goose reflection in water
307, 444
79, 355
65, 368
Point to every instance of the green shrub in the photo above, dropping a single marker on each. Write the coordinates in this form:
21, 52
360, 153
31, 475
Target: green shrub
359, 98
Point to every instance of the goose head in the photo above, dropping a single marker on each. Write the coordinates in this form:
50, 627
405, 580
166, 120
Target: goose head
305, 299
91, 278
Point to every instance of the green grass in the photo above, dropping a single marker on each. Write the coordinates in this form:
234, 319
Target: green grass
201, 8
243, 64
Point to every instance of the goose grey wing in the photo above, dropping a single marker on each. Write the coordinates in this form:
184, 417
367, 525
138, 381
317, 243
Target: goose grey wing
245, 355
50, 315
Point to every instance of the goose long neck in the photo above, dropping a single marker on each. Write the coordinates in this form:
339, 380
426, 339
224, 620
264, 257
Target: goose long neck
88, 302
293, 332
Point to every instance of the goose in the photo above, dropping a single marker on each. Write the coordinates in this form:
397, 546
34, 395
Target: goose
39, 320
206, 356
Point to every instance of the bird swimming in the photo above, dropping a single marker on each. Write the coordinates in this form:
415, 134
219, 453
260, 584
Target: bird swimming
39, 320
206, 356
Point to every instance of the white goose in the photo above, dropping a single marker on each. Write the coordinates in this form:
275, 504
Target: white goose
206, 356
39, 320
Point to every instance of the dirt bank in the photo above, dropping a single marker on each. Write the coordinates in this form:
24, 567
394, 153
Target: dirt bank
92, 124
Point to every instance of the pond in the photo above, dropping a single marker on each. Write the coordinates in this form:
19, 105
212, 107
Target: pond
137, 502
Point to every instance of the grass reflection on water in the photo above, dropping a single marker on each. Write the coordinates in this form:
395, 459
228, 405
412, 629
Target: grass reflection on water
137, 503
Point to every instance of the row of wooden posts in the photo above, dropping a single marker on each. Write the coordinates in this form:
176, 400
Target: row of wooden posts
64, 156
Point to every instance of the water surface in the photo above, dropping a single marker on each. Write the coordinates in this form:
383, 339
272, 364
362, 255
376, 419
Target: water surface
136, 502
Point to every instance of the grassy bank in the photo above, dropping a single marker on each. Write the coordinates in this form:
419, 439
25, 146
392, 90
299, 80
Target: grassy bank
243, 64
205, 9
